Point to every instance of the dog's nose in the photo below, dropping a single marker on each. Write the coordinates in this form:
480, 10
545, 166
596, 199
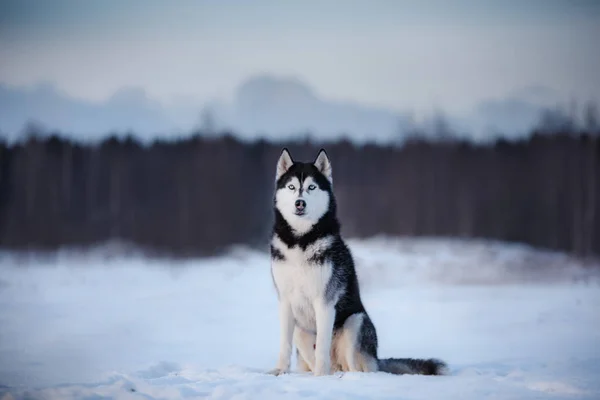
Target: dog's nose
300, 204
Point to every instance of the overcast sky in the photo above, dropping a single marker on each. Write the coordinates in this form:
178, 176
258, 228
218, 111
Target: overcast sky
414, 55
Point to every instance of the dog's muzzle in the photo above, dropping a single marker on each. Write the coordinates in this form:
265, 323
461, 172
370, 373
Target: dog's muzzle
300, 206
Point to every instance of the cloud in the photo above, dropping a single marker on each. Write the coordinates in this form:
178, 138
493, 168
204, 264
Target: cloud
282, 106
273, 107
129, 109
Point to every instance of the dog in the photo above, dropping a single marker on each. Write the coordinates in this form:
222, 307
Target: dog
320, 308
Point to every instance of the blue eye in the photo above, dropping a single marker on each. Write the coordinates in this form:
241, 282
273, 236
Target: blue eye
312, 187
291, 187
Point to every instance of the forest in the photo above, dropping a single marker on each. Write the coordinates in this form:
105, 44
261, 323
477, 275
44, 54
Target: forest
198, 195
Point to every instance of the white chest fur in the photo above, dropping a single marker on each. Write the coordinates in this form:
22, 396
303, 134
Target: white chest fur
300, 281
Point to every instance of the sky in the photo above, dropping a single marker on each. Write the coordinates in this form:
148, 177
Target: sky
417, 55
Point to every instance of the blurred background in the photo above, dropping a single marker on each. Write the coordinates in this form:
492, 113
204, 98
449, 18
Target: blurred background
140, 136
160, 125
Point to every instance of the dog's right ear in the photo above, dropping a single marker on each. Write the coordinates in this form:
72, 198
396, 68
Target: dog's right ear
284, 163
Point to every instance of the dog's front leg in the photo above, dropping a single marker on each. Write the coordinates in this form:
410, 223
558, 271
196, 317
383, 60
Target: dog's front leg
325, 316
286, 324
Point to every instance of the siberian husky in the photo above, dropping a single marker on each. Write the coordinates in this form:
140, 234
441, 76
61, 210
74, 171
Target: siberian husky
320, 307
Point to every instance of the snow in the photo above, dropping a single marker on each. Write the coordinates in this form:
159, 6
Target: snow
511, 322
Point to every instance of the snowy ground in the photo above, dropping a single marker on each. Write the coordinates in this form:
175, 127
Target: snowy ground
510, 322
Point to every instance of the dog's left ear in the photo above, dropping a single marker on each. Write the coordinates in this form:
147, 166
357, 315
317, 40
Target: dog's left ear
323, 164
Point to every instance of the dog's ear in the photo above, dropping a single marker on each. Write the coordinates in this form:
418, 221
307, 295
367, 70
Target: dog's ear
323, 164
284, 163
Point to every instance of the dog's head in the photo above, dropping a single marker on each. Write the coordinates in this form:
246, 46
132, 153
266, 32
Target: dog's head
303, 190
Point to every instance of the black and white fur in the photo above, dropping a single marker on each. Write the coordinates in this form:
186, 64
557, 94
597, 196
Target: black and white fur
320, 307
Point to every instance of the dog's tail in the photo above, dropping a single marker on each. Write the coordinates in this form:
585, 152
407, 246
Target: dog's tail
414, 366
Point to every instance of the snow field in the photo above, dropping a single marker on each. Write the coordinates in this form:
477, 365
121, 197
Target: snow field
511, 322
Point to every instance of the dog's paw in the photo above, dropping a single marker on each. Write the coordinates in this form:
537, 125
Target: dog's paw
322, 370
278, 371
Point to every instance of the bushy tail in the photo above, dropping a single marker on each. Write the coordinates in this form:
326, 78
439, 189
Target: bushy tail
413, 366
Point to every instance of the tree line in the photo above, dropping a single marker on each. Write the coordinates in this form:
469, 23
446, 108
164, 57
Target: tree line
201, 194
